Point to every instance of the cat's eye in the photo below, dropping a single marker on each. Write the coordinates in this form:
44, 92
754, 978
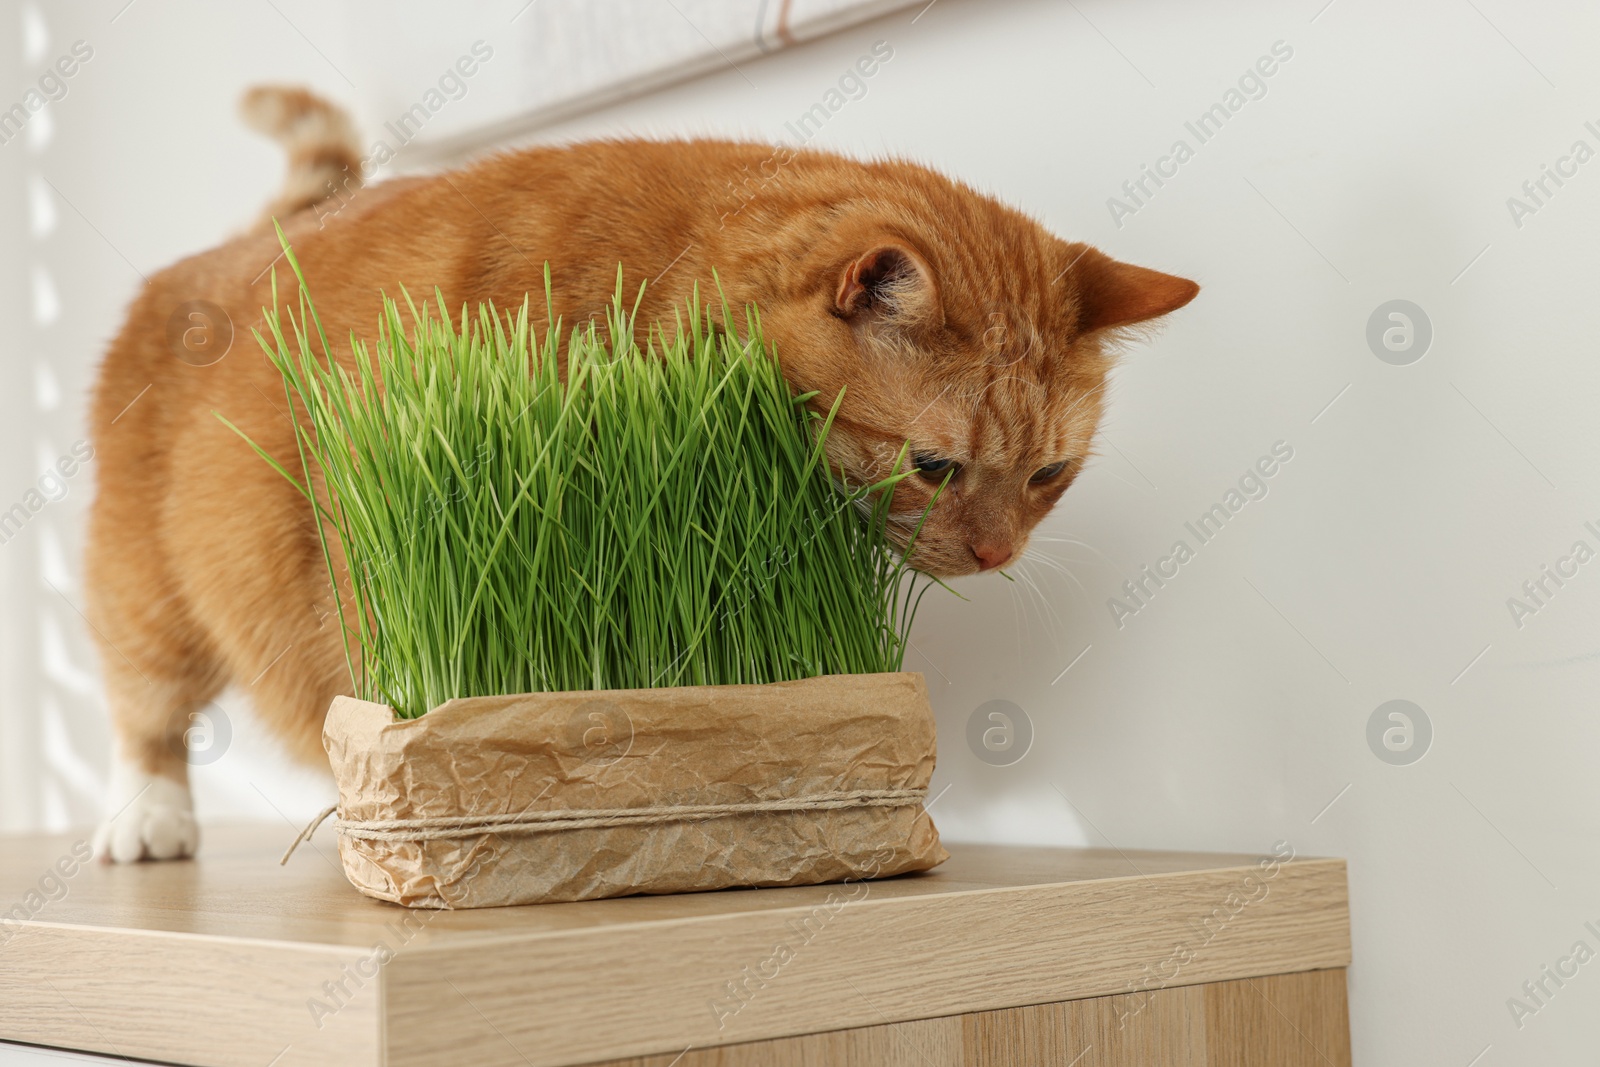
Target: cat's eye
1044, 474
934, 468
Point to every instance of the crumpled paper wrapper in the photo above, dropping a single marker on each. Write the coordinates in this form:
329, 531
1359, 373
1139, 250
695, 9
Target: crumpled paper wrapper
632, 749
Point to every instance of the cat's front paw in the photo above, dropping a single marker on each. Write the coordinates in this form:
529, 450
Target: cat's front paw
151, 817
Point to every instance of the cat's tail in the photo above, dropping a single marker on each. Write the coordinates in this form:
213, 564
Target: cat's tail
319, 137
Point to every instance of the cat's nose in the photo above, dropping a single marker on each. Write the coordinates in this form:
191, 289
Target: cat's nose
991, 556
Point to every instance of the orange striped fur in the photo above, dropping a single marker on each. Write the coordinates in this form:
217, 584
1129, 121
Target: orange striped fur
950, 320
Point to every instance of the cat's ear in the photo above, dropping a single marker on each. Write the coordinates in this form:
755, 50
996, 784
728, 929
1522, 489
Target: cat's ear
1112, 293
888, 283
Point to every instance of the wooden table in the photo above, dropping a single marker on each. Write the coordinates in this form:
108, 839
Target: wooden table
1019, 957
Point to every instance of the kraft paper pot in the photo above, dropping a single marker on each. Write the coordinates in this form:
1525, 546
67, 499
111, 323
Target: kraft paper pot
489, 801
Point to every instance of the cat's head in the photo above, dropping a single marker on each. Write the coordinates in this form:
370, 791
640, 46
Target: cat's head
984, 342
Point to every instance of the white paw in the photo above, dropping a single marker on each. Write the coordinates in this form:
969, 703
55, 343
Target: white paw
148, 817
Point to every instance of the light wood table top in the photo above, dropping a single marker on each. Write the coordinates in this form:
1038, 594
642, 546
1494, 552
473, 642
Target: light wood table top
231, 959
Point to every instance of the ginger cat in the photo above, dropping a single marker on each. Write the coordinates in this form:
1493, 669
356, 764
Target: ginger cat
957, 324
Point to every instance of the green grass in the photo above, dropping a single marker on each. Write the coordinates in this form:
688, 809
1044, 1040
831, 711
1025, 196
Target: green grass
661, 514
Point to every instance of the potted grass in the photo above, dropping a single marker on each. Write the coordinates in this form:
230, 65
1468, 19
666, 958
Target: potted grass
611, 625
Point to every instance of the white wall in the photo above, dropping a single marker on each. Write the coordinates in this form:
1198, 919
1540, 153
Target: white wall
1232, 711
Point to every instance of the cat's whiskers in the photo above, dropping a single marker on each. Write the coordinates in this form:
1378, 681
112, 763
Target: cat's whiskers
1048, 615
1052, 539
1068, 573
1030, 585
1042, 560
